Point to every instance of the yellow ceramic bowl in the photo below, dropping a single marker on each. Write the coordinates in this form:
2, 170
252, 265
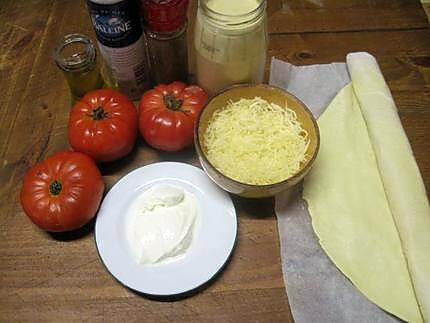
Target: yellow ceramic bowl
270, 94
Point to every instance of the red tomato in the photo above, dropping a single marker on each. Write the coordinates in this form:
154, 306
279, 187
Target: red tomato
63, 192
103, 125
167, 115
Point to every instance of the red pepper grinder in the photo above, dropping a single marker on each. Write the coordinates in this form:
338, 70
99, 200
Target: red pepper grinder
166, 30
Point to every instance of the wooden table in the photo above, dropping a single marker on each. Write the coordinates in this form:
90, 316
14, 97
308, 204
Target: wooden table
60, 278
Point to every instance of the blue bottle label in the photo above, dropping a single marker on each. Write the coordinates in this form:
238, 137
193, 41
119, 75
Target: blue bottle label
116, 25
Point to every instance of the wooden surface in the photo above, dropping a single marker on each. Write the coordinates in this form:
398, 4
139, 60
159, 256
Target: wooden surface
50, 278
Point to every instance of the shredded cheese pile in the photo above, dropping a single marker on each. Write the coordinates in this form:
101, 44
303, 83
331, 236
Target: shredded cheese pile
256, 142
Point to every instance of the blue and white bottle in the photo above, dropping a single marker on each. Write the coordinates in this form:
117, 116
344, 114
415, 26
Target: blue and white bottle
122, 43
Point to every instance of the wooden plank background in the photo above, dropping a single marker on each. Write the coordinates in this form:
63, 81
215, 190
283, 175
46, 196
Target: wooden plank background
47, 278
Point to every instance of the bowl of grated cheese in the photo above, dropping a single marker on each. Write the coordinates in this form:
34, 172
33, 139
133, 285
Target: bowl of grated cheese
256, 140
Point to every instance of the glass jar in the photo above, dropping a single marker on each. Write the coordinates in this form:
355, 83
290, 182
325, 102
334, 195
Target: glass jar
166, 31
168, 55
76, 56
230, 41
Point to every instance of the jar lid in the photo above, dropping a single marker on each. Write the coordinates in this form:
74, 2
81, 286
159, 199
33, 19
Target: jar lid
164, 15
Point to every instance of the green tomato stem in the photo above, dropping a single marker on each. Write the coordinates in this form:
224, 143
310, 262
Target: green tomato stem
172, 102
98, 114
55, 187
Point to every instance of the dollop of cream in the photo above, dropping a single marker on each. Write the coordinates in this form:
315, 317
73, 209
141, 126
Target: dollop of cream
161, 223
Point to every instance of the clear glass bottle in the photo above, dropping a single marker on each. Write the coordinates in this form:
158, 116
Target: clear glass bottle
230, 42
166, 31
76, 56
168, 55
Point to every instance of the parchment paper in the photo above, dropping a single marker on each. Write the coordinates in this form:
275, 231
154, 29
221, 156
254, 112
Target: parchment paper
317, 290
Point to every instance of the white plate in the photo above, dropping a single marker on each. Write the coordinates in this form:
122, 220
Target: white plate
211, 247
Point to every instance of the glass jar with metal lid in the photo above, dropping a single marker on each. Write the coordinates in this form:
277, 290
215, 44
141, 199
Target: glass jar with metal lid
230, 41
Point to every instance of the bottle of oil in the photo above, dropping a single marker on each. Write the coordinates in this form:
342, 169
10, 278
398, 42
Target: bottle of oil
122, 43
76, 56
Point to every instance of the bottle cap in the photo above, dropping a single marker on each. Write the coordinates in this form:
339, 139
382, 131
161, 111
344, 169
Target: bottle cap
164, 15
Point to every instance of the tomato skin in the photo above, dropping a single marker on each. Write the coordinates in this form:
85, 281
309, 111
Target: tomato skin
76, 202
107, 135
170, 128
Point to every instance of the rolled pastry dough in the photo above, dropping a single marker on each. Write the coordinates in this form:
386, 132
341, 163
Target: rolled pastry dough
350, 211
400, 175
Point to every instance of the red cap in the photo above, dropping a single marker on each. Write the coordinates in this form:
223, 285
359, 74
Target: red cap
164, 15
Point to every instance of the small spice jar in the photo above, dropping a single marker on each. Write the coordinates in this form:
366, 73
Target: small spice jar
230, 42
166, 31
76, 56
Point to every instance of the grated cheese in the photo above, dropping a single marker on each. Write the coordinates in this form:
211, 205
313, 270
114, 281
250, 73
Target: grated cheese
256, 142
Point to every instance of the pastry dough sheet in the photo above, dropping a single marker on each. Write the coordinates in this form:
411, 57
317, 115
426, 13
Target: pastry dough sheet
317, 290
351, 213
